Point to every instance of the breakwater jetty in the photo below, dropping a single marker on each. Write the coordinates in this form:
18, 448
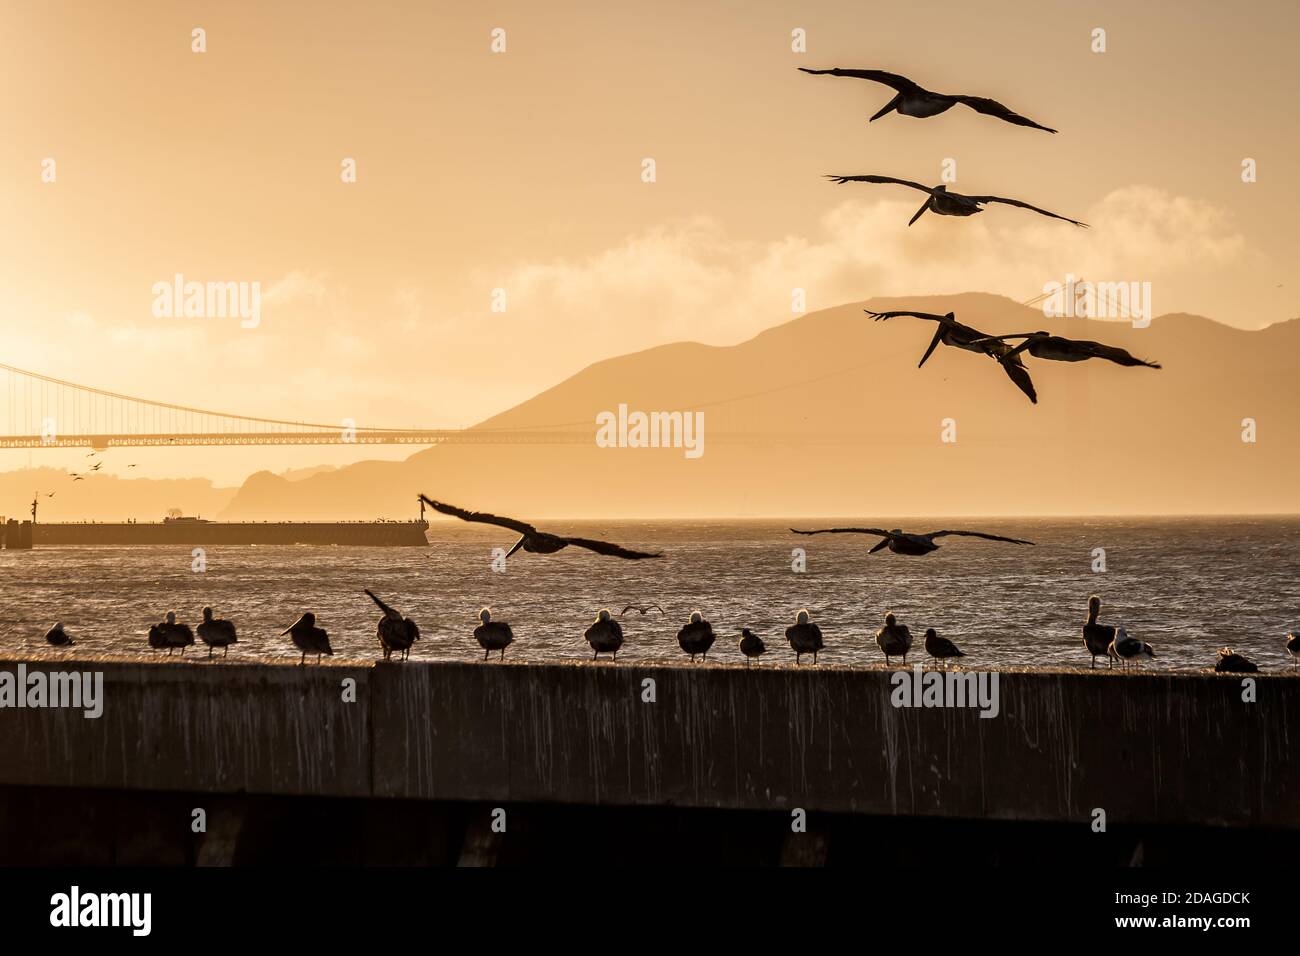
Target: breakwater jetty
445, 746
205, 533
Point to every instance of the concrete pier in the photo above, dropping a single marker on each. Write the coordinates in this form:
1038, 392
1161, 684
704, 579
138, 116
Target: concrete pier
1168, 749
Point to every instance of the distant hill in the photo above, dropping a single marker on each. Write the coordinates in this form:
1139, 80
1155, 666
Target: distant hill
106, 497
859, 429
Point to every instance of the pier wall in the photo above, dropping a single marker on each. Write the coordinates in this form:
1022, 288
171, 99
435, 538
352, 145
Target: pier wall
1176, 749
358, 533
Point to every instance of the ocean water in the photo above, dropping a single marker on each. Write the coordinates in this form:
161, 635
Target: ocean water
1187, 586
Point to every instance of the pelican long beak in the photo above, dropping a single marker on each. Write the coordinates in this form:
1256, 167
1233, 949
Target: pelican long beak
934, 343
924, 206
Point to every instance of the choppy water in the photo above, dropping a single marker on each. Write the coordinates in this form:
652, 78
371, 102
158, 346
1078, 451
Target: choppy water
1187, 586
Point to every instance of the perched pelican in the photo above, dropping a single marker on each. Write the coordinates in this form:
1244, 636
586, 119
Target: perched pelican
1293, 647
492, 635
1230, 663
696, 637
171, 635
902, 542
804, 636
396, 633
59, 637
1097, 637
1129, 649
216, 632
605, 635
940, 648
953, 333
914, 100
642, 608
894, 639
751, 645
309, 638
538, 542
945, 203
1057, 348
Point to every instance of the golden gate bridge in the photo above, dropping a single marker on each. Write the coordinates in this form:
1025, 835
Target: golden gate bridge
40, 411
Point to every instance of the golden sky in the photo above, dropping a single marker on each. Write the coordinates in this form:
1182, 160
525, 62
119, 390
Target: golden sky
522, 171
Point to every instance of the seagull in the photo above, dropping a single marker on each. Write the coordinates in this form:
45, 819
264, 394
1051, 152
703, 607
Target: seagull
1129, 649
130, 466
1097, 637
77, 477
1057, 348
945, 203
170, 635
902, 542
1230, 663
914, 100
697, 636
643, 608
953, 333
605, 635
804, 636
396, 633
1293, 647
96, 466
58, 637
217, 632
751, 645
492, 635
309, 638
940, 648
894, 639
538, 542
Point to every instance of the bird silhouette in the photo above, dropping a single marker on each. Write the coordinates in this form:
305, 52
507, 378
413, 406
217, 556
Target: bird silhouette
696, 637
492, 635
902, 542
894, 639
805, 637
944, 202
751, 645
216, 632
916, 101
395, 632
537, 542
605, 635
308, 638
1057, 348
58, 637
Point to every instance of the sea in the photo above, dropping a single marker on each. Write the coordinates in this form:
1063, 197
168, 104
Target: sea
1187, 586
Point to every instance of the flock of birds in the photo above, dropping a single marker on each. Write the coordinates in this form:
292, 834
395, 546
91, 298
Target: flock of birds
397, 633
914, 100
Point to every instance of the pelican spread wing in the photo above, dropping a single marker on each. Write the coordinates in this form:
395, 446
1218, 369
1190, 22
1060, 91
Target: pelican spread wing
886, 179
614, 550
977, 534
1025, 205
900, 83
1112, 353
882, 316
982, 104
876, 531
1017, 372
479, 516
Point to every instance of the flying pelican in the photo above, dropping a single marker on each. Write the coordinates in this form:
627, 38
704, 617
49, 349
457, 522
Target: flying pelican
643, 608
1057, 348
804, 636
309, 638
396, 633
58, 637
940, 648
945, 203
538, 542
1230, 663
492, 635
1293, 647
914, 100
953, 333
1097, 637
170, 635
902, 542
751, 645
96, 466
605, 635
1129, 649
696, 637
894, 639
217, 632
